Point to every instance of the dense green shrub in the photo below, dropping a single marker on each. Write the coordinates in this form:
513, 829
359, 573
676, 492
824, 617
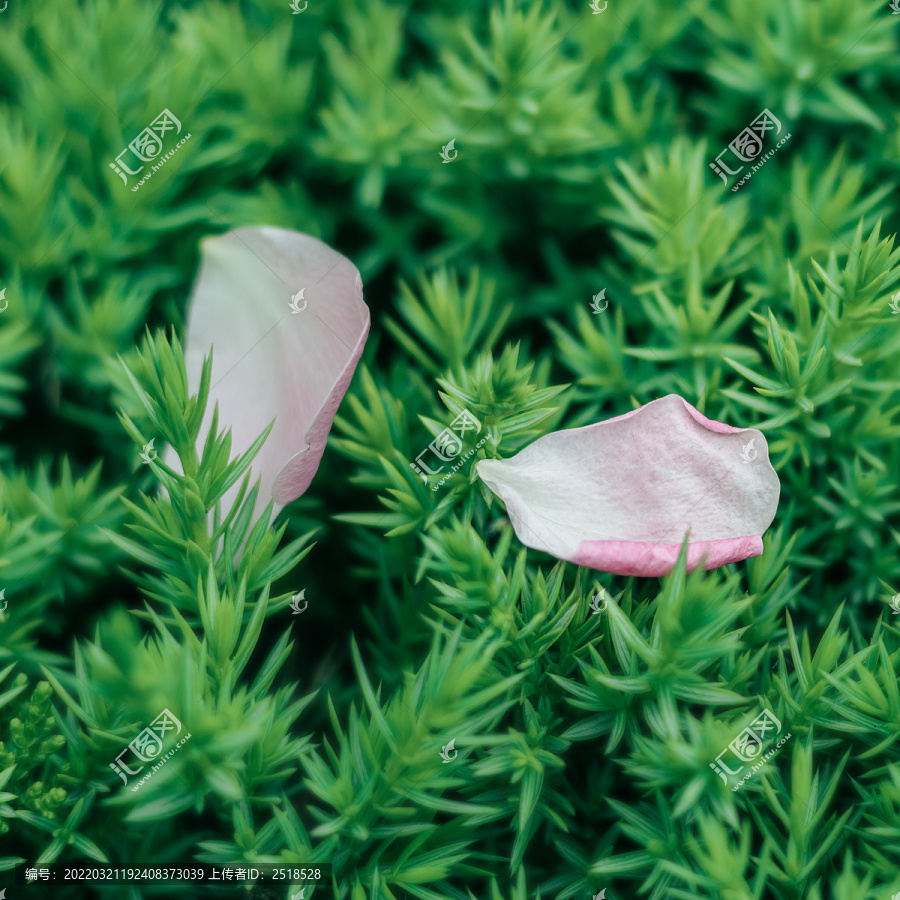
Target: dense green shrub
585, 742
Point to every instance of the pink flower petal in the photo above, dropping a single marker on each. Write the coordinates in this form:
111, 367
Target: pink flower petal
270, 362
621, 495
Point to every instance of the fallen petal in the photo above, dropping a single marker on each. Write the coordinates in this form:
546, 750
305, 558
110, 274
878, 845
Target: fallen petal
621, 495
271, 362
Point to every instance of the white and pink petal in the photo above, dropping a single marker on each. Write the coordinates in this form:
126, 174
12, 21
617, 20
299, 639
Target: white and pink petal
270, 361
621, 495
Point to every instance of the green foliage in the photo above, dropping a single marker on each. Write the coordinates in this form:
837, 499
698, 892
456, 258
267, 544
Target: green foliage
33, 740
584, 741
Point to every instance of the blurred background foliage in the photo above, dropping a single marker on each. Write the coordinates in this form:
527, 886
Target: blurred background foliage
584, 142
